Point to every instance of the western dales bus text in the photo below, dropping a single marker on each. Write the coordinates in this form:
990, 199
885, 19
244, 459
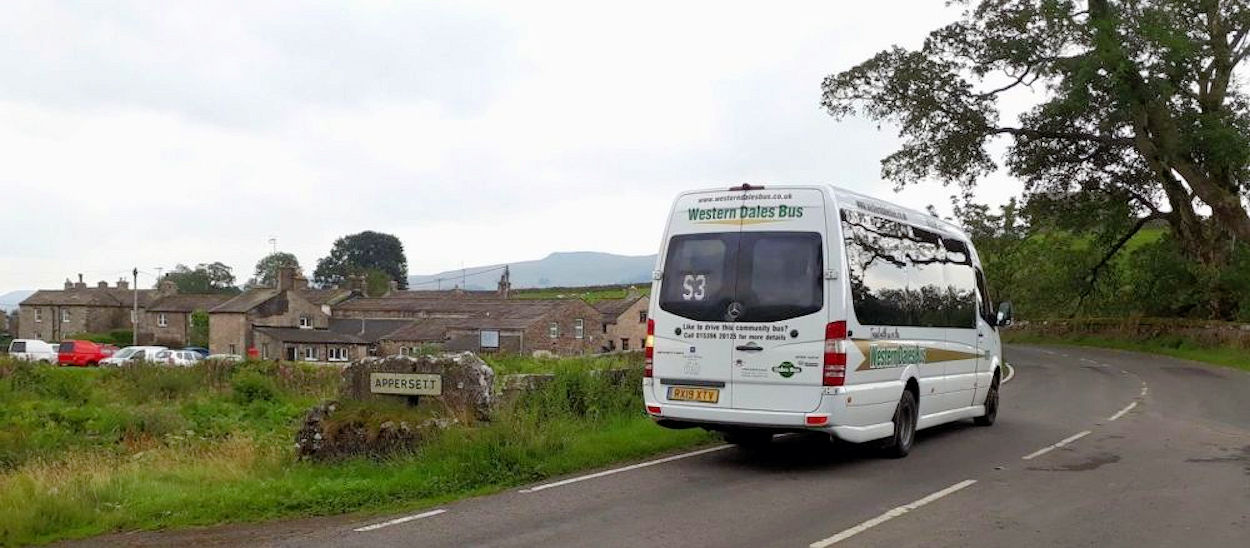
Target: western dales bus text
745, 212
895, 356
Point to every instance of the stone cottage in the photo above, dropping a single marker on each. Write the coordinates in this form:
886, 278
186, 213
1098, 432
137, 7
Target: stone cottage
55, 314
167, 319
624, 322
278, 322
480, 324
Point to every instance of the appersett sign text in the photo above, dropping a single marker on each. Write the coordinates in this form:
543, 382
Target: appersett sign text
408, 384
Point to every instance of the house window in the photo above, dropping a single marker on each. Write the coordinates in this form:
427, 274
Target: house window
624, 344
310, 353
264, 351
579, 329
642, 316
488, 339
605, 328
161, 320
337, 353
305, 321
232, 349
38, 316
553, 330
64, 315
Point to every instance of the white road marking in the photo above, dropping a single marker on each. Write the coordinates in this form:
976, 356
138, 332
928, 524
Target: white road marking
889, 515
1144, 389
1121, 412
398, 521
1050, 448
560, 483
1011, 372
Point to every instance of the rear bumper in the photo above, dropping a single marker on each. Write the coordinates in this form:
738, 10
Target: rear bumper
849, 424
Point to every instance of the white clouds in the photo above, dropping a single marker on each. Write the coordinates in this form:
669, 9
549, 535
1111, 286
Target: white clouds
481, 132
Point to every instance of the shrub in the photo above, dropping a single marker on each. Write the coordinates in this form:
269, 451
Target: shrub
250, 386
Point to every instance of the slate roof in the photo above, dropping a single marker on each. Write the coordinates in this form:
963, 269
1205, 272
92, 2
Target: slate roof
613, 308
324, 296
315, 336
368, 329
247, 300
493, 308
425, 330
187, 303
89, 296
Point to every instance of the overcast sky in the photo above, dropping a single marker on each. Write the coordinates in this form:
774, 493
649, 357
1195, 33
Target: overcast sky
477, 132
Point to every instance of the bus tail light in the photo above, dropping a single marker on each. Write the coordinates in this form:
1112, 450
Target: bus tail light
834, 373
649, 350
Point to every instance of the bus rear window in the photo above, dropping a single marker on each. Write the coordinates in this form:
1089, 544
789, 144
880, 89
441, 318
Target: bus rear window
772, 276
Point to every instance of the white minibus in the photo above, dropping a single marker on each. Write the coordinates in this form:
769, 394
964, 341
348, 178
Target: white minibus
816, 309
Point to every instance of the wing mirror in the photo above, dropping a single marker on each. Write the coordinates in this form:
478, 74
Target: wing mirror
1004, 313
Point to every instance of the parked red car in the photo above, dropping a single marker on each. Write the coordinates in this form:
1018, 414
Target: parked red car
83, 353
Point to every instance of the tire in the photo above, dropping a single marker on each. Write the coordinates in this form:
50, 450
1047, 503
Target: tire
749, 439
991, 405
899, 445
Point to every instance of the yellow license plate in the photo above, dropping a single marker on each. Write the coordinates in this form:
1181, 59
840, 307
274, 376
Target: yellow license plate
705, 395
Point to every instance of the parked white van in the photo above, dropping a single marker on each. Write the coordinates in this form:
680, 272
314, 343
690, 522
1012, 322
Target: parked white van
33, 350
801, 308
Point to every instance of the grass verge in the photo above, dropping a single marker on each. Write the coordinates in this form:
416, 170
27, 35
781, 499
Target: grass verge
1176, 348
114, 468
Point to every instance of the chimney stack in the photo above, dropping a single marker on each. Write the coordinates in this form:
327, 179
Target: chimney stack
300, 282
505, 283
123, 283
102, 284
166, 288
68, 284
81, 284
391, 287
356, 282
286, 278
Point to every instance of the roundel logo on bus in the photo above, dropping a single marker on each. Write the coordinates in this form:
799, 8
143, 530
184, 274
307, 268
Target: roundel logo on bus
787, 369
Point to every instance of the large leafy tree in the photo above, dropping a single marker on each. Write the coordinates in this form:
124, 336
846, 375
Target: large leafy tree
359, 253
1135, 113
204, 278
266, 274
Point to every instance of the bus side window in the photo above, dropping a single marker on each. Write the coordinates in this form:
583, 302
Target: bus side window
986, 307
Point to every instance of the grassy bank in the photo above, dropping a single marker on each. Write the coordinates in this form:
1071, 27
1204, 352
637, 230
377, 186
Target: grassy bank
1176, 347
88, 451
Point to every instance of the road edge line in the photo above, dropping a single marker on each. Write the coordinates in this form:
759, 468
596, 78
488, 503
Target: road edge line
1054, 446
1011, 372
889, 515
1121, 412
596, 475
398, 521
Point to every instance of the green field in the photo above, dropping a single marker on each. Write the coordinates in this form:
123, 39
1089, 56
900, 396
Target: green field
589, 294
1177, 348
91, 451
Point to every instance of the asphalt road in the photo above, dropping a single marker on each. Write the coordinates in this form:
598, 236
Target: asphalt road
1172, 468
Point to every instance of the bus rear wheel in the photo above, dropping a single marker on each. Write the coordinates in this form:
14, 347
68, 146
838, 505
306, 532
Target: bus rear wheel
899, 445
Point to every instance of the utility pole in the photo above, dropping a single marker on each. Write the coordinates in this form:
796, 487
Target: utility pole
273, 243
134, 327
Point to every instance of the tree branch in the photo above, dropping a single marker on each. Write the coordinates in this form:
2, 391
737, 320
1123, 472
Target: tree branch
1069, 135
1092, 277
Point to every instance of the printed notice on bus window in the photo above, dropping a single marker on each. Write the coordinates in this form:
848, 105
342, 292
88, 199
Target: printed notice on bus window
735, 332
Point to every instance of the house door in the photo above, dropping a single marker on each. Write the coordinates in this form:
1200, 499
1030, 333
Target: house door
290, 353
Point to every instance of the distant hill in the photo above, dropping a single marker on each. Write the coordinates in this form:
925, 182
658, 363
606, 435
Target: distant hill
8, 301
573, 269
